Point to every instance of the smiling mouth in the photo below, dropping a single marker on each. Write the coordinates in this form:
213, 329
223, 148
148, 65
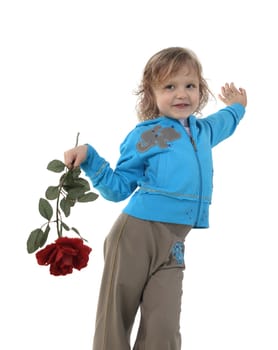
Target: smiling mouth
181, 105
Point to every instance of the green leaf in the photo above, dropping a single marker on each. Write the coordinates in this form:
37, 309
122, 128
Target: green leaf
57, 166
45, 209
75, 192
82, 183
65, 205
88, 197
65, 226
52, 192
76, 231
44, 236
63, 176
70, 179
34, 240
75, 172
72, 175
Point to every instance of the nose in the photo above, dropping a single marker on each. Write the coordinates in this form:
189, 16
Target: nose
182, 93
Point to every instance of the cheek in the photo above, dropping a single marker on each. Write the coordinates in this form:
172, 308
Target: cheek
158, 101
162, 105
196, 98
164, 98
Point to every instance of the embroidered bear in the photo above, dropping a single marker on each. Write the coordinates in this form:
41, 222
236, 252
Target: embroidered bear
157, 136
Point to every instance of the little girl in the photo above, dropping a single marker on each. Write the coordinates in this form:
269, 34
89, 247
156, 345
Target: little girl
165, 165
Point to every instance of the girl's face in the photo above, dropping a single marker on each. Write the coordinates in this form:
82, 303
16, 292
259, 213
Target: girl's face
178, 96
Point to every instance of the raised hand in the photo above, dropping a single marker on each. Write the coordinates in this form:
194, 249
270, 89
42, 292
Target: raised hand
230, 94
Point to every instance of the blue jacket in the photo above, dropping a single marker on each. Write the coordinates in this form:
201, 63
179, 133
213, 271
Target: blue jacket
168, 172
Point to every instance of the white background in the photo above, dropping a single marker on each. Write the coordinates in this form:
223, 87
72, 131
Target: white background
72, 66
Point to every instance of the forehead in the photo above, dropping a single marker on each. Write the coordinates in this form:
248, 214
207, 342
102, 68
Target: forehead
186, 71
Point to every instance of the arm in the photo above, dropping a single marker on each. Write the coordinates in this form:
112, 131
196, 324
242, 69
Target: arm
114, 185
223, 123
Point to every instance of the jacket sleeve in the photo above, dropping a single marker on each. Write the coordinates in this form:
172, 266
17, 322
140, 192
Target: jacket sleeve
223, 123
119, 183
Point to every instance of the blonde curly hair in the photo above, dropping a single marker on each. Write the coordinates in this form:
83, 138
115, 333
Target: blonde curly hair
160, 67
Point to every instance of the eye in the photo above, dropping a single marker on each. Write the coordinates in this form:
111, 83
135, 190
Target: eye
169, 87
191, 86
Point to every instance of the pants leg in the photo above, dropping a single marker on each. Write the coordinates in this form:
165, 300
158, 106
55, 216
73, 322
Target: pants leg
135, 252
160, 311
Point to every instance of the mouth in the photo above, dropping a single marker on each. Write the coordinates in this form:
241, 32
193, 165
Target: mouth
181, 105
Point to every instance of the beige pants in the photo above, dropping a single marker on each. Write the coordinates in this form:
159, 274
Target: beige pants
143, 268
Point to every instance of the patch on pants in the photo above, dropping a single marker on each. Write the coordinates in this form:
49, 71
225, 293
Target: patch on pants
178, 252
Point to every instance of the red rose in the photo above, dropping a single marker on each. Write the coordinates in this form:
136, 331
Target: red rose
64, 255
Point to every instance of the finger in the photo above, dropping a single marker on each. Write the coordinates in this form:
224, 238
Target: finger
223, 90
222, 98
68, 159
242, 91
226, 90
233, 87
244, 94
77, 161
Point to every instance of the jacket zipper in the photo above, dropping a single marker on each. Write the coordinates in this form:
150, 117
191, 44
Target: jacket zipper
200, 173
193, 143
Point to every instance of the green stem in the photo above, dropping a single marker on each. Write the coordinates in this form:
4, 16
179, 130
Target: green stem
58, 215
77, 137
59, 230
59, 219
